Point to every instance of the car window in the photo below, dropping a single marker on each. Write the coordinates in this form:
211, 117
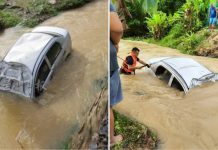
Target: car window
176, 84
43, 71
53, 52
163, 74
41, 77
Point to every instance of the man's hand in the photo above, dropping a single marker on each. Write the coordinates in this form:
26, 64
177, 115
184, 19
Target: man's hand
147, 65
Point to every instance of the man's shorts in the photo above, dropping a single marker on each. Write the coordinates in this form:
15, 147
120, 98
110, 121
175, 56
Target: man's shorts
212, 21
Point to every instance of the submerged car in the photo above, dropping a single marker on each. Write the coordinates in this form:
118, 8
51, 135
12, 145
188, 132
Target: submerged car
181, 73
30, 64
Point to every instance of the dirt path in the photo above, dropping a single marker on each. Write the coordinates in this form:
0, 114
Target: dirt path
182, 121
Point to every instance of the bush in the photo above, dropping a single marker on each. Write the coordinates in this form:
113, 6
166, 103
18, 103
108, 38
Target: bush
9, 19
170, 6
157, 24
42, 7
68, 4
2, 3
139, 10
31, 22
191, 41
174, 36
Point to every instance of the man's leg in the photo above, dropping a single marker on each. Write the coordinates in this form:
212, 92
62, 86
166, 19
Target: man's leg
210, 24
113, 139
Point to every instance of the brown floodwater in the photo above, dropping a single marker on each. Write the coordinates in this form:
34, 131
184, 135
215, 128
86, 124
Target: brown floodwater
181, 121
74, 88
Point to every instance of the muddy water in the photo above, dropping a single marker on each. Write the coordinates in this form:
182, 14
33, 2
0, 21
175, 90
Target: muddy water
182, 121
73, 90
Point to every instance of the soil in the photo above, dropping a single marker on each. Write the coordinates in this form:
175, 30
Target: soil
209, 47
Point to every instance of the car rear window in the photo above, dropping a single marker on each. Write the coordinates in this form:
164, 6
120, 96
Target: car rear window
53, 52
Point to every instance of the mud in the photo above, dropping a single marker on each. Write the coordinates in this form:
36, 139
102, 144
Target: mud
62, 109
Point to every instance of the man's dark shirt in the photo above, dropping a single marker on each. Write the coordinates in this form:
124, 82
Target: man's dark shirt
129, 60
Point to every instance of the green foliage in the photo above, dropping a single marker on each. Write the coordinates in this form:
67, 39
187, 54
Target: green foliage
135, 134
31, 22
174, 37
8, 19
139, 9
191, 41
170, 6
42, 7
136, 24
195, 14
157, 24
2, 3
68, 4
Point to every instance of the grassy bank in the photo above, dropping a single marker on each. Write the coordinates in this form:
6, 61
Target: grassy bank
135, 134
30, 13
187, 43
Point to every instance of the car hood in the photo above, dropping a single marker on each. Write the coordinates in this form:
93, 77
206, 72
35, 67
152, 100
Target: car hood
15, 78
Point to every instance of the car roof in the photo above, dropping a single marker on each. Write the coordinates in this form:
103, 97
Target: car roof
28, 48
187, 68
51, 30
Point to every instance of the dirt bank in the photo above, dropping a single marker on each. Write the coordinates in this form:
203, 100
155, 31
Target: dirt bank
209, 47
182, 121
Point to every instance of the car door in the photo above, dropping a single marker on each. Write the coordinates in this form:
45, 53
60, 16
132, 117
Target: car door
41, 78
47, 67
53, 59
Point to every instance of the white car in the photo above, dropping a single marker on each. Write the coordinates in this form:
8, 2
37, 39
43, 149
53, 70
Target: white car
181, 73
30, 64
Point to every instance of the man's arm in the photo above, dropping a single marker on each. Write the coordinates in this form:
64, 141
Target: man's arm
145, 64
116, 28
136, 67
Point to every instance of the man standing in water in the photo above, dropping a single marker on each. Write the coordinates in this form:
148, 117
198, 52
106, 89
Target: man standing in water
116, 32
213, 16
129, 64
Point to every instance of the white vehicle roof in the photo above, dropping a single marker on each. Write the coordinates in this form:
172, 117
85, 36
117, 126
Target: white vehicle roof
51, 30
28, 48
187, 68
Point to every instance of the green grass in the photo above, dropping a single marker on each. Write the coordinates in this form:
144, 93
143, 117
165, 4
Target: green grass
9, 19
31, 22
68, 4
2, 2
39, 10
178, 38
135, 134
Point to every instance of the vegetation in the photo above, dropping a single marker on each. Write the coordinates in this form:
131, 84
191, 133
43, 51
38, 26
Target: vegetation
69, 4
135, 134
157, 24
139, 9
177, 24
8, 19
31, 12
